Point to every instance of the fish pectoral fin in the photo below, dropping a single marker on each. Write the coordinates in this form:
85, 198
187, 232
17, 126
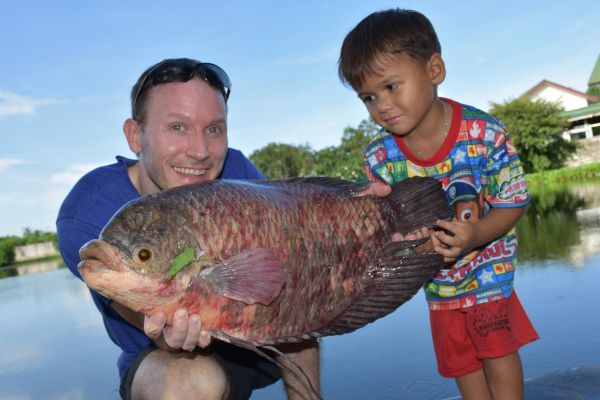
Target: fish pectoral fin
253, 276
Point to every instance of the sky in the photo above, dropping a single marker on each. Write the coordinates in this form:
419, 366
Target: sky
66, 69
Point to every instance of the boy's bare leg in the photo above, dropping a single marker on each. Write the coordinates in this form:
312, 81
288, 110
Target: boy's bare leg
474, 386
504, 377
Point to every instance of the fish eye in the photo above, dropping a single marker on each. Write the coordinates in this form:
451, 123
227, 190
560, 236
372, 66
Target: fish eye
142, 254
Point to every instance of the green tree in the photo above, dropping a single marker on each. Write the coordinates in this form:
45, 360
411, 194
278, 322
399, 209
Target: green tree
346, 160
7, 249
278, 160
36, 236
536, 129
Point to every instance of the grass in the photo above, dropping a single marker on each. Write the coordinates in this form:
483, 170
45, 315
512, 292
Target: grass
567, 174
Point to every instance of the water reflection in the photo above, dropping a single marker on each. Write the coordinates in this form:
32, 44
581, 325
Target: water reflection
562, 222
33, 267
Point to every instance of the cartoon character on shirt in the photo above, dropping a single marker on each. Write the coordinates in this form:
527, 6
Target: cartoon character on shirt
463, 195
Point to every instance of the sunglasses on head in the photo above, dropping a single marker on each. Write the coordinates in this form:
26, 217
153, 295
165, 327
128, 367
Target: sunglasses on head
182, 71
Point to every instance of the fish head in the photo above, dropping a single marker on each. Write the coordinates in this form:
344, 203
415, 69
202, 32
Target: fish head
134, 255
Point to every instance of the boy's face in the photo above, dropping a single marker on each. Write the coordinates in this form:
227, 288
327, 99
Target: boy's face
400, 97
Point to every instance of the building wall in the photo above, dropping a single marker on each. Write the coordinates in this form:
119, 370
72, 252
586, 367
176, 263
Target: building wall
34, 251
568, 100
587, 153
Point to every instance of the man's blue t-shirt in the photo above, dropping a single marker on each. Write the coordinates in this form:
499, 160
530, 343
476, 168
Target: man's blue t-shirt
88, 208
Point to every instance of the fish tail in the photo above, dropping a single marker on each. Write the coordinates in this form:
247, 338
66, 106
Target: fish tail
418, 202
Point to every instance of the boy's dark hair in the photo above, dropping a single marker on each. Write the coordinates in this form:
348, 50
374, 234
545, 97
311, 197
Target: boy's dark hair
381, 34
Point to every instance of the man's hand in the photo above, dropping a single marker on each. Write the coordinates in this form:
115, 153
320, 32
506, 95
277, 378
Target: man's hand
185, 332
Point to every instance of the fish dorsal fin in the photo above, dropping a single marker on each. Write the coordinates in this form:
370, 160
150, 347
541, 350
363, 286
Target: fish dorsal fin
342, 187
253, 276
392, 282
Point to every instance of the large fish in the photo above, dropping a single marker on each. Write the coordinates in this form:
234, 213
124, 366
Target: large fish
267, 262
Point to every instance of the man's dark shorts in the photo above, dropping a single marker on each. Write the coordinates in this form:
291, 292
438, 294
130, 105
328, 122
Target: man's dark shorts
247, 370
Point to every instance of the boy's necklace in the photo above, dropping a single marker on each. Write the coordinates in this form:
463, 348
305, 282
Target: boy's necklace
446, 126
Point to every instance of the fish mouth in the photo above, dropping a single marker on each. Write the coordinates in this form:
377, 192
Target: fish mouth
104, 268
97, 254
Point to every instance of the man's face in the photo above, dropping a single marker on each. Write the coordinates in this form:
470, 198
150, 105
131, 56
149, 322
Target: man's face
184, 137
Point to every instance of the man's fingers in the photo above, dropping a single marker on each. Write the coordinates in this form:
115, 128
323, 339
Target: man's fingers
193, 333
153, 325
204, 339
175, 335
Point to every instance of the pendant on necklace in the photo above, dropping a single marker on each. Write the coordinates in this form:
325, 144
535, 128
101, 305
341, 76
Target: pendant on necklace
446, 127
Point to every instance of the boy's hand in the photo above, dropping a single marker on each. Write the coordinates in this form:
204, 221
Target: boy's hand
185, 332
375, 189
460, 238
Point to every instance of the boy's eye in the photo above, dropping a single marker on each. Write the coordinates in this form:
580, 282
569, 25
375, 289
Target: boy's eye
392, 86
367, 98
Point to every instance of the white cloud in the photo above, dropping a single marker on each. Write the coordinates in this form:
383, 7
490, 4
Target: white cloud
14, 104
75, 171
8, 199
6, 163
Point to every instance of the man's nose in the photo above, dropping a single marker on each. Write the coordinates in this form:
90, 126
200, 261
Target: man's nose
197, 146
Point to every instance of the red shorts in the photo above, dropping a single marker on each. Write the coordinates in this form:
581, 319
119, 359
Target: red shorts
463, 338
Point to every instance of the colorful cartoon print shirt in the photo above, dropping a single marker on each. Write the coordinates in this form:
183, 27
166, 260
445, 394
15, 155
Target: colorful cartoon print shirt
479, 169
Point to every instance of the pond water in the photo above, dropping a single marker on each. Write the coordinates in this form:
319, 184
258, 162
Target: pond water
53, 344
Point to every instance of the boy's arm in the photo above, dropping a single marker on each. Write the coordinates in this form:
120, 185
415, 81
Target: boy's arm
460, 237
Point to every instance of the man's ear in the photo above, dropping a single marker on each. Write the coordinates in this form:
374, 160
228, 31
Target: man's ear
437, 69
133, 133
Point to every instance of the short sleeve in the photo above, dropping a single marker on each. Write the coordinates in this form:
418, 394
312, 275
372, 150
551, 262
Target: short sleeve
505, 175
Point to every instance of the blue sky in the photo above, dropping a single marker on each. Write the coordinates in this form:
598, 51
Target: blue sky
66, 69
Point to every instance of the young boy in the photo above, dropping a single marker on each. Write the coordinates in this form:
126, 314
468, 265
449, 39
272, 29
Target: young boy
392, 59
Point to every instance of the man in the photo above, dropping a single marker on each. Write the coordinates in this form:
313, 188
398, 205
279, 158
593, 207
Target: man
178, 130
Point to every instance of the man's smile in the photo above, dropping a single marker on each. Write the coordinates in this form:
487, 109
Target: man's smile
190, 171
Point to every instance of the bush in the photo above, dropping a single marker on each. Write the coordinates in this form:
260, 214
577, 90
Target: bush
7, 249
